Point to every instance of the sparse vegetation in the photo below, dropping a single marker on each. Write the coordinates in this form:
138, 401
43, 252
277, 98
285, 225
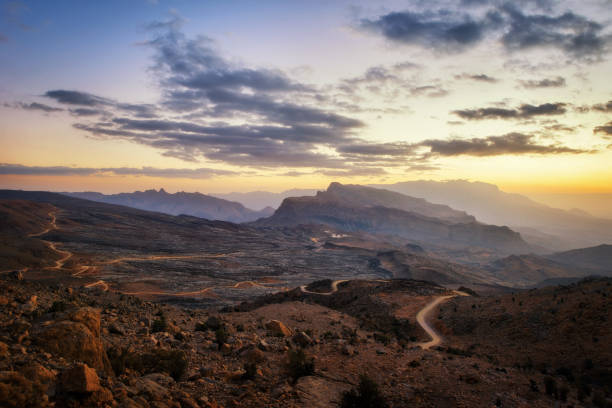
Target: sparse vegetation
299, 364
365, 395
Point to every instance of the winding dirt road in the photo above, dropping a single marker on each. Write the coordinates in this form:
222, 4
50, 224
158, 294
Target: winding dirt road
334, 288
436, 339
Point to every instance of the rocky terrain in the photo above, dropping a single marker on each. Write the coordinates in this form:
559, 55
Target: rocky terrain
68, 346
110, 306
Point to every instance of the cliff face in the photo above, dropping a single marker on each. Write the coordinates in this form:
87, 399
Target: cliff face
355, 211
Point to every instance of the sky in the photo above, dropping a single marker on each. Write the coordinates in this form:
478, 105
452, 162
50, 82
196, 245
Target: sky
215, 96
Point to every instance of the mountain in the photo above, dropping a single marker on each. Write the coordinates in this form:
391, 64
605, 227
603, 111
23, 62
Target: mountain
529, 270
594, 259
553, 228
358, 208
195, 204
261, 199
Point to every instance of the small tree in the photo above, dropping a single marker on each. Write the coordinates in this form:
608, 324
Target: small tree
366, 395
299, 364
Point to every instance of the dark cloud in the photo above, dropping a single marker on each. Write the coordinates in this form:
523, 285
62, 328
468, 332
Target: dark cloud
603, 107
522, 112
575, 34
439, 30
605, 129
453, 30
477, 77
20, 170
221, 111
35, 106
511, 143
406, 65
557, 82
86, 112
76, 98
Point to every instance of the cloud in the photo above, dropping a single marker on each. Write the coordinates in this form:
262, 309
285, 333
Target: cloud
199, 173
570, 32
557, 82
601, 107
76, 98
86, 112
3, 38
439, 30
477, 77
457, 29
522, 112
605, 129
222, 111
34, 106
509, 144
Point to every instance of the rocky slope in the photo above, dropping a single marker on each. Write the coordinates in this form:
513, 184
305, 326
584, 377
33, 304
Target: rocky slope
358, 209
561, 331
594, 259
195, 204
67, 346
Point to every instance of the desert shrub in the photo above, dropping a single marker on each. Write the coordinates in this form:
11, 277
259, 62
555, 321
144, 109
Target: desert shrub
563, 393
160, 324
201, 327
299, 364
250, 369
221, 336
382, 338
58, 306
118, 358
550, 385
365, 395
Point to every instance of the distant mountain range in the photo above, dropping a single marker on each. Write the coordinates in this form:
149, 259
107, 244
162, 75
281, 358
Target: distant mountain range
555, 268
195, 204
259, 200
551, 228
366, 209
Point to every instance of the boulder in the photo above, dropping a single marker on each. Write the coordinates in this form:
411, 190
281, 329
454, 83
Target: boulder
302, 339
253, 355
90, 317
79, 379
76, 339
277, 328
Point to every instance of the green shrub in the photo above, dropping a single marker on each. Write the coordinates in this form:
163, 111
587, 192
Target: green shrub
299, 364
365, 395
